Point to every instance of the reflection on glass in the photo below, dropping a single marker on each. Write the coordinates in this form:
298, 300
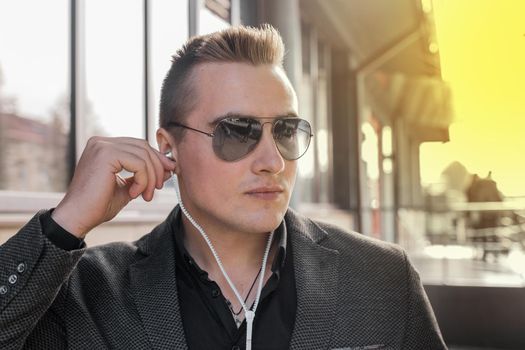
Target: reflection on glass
34, 114
369, 151
474, 227
114, 68
474, 218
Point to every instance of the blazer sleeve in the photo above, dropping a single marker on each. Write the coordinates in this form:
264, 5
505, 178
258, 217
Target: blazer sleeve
33, 280
422, 330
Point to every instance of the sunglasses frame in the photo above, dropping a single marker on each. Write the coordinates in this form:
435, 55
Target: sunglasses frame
272, 122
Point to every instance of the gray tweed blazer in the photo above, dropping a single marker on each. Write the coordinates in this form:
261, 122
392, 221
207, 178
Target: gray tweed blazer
353, 292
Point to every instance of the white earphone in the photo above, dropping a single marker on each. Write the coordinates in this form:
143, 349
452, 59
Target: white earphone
249, 314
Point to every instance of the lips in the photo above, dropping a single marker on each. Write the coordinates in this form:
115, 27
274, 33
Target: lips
266, 193
265, 189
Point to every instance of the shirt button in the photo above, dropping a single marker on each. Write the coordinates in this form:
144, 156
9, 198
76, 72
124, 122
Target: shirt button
215, 293
235, 347
12, 279
3, 290
21, 268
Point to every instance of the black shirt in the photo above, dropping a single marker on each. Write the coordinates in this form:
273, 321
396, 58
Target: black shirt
206, 317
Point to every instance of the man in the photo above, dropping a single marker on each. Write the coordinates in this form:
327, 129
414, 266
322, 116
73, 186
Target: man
232, 267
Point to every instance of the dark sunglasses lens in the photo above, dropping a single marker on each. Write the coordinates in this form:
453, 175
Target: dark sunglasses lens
292, 137
236, 137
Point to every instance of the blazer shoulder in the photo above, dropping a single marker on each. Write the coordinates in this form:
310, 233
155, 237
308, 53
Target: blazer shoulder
337, 238
123, 252
115, 257
357, 244
108, 259
113, 250
377, 265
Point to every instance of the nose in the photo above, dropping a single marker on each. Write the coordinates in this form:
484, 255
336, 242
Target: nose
267, 158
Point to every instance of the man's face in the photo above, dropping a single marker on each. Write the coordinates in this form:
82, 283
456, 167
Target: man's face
251, 194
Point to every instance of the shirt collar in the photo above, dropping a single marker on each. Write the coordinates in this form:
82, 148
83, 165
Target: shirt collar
280, 234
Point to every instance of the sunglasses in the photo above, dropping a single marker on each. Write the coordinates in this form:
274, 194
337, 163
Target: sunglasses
234, 138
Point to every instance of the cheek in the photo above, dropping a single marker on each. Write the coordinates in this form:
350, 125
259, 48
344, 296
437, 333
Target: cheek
204, 175
291, 172
193, 152
192, 164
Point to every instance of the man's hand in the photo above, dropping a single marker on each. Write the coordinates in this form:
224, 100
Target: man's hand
95, 196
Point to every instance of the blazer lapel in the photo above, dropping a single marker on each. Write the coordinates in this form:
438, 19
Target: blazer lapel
154, 289
316, 270
154, 286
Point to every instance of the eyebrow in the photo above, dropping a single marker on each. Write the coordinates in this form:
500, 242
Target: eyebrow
215, 121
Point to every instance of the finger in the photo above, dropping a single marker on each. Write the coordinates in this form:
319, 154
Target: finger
122, 193
167, 176
158, 167
155, 168
121, 182
151, 157
150, 169
138, 166
168, 163
159, 160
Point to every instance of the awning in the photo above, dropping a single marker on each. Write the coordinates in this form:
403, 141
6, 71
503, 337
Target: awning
368, 29
425, 103
394, 43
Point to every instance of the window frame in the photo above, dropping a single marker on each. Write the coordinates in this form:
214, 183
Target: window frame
16, 207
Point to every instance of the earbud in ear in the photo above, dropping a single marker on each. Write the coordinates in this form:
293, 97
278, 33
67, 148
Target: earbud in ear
169, 155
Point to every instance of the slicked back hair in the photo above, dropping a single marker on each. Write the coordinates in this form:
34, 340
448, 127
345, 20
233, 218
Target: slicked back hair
238, 44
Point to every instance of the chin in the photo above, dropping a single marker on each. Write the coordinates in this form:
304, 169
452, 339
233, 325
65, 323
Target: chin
264, 220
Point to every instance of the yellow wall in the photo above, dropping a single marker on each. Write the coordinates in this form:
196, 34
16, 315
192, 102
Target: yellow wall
482, 49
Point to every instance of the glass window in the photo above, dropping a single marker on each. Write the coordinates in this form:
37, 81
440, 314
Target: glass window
474, 223
322, 124
209, 21
169, 31
114, 68
305, 187
34, 105
305, 48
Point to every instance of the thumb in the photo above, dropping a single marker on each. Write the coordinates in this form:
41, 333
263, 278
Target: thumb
122, 191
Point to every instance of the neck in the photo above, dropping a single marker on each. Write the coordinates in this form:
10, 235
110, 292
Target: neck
240, 253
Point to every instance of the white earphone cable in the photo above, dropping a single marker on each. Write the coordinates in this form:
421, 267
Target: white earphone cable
248, 314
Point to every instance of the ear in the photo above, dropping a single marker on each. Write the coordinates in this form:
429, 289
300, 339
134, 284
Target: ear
166, 144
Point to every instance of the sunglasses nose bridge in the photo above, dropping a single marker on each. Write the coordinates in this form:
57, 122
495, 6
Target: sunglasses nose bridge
271, 128
274, 138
